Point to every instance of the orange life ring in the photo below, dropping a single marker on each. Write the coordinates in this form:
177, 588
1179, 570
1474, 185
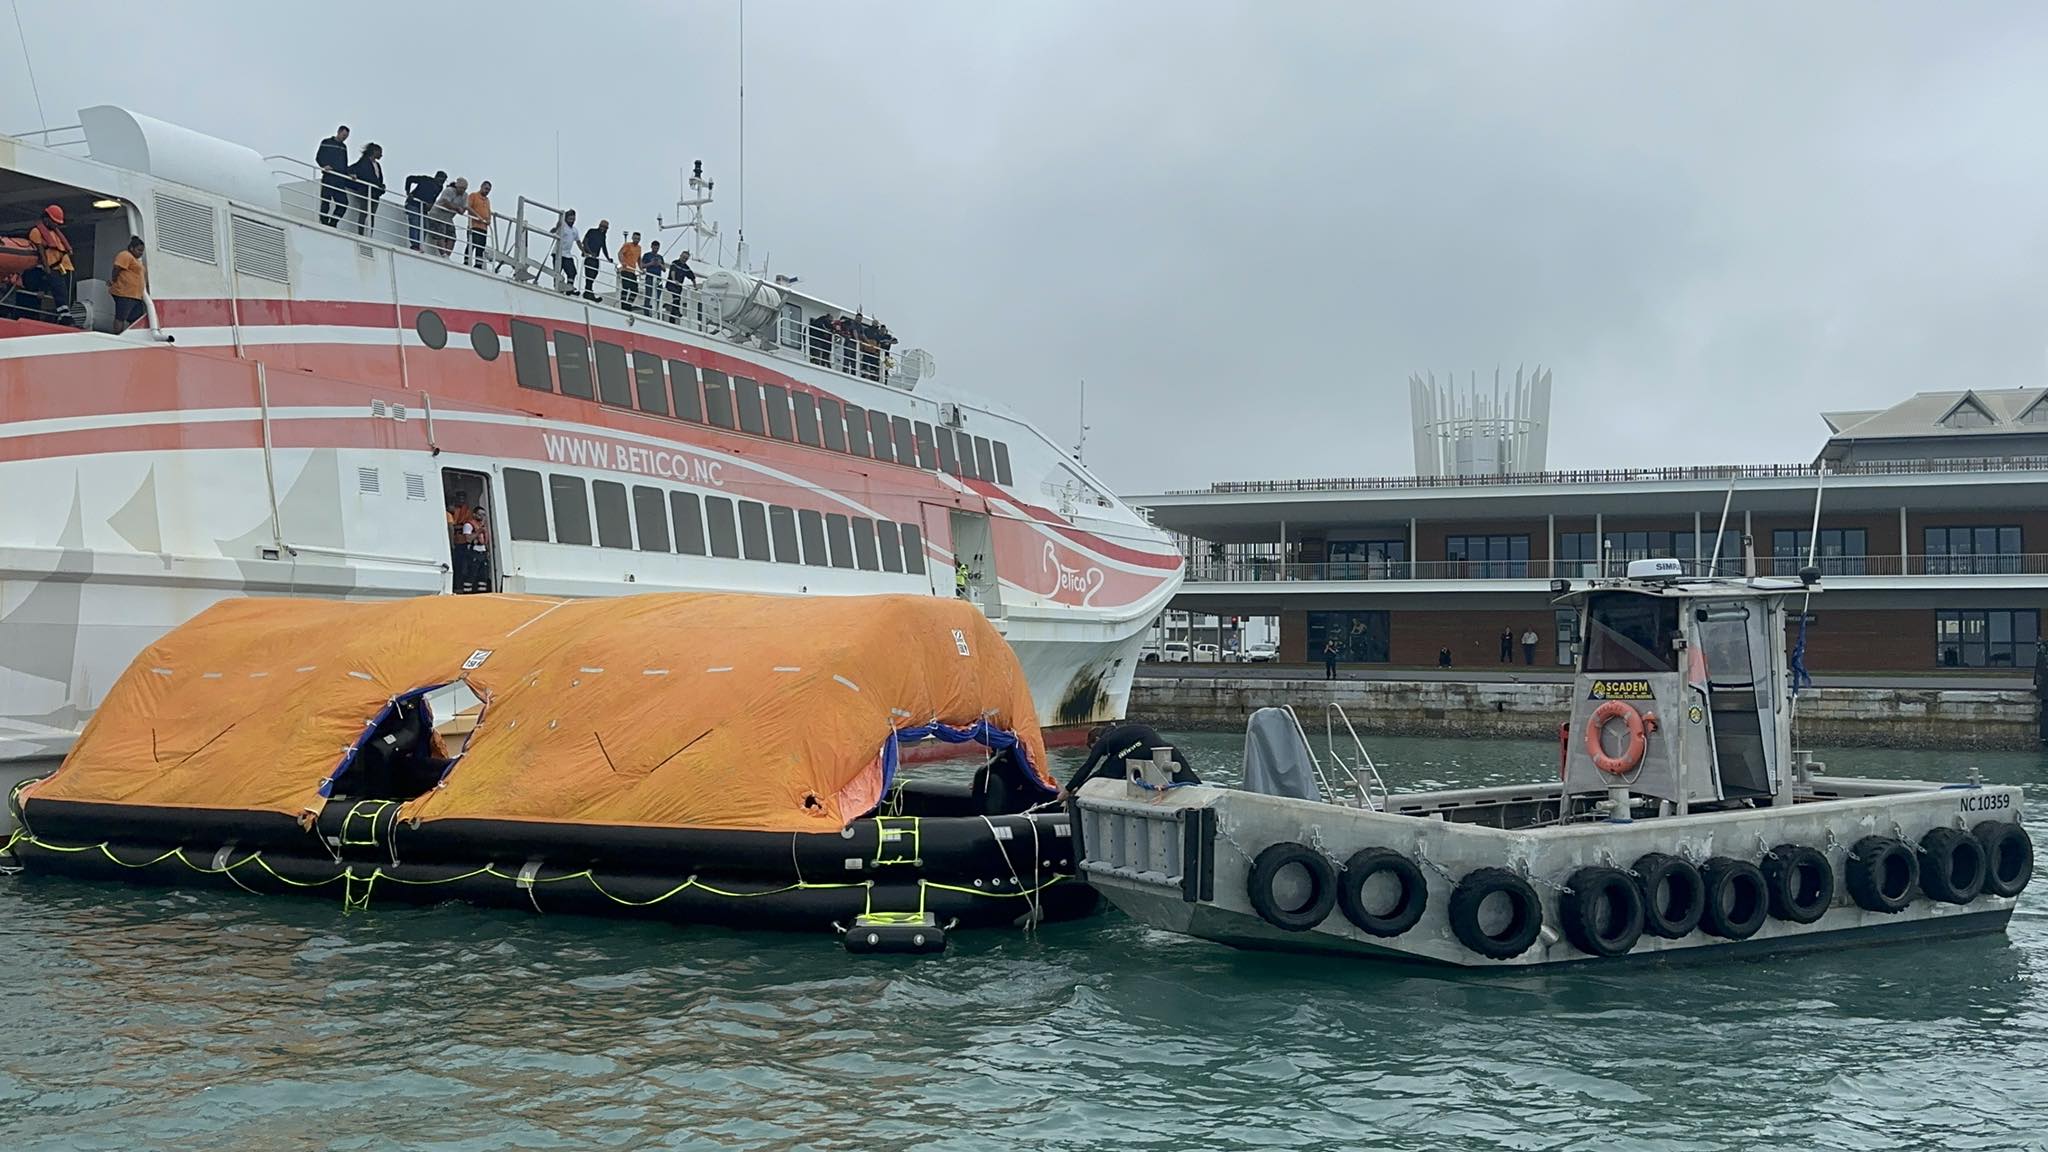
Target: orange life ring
1637, 738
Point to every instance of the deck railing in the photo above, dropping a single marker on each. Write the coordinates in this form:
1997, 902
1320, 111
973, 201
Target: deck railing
1259, 570
1711, 472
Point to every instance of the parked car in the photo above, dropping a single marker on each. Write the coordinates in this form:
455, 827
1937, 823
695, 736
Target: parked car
1261, 654
1149, 654
1174, 651
1208, 654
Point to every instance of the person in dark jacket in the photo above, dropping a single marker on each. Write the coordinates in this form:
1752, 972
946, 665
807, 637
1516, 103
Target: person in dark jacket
368, 171
1110, 746
1331, 651
596, 247
679, 274
333, 161
420, 194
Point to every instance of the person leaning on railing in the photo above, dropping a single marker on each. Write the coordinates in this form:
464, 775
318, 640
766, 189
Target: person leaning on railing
679, 273
368, 171
441, 218
652, 267
420, 193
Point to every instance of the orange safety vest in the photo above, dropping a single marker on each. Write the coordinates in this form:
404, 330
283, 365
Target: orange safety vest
56, 247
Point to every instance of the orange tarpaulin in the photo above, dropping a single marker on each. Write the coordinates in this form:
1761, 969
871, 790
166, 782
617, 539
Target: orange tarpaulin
702, 710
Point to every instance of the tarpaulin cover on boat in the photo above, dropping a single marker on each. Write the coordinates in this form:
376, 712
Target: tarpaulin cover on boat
702, 710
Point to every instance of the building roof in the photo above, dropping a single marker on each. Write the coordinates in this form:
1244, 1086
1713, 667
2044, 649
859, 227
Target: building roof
1971, 412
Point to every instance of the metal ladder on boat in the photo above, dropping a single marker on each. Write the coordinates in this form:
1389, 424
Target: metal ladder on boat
1362, 786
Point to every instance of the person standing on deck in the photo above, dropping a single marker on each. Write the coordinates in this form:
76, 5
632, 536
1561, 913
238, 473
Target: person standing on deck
453, 200
565, 251
1507, 645
596, 247
332, 159
131, 279
679, 272
1529, 647
368, 171
52, 274
960, 578
420, 194
651, 268
479, 224
1331, 650
629, 272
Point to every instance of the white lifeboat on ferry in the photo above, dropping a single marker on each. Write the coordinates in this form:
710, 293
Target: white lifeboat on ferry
745, 303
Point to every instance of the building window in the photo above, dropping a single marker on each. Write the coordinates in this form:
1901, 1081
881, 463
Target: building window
682, 381
1368, 560
1994, 638
530, 357
614, 381
688, 519
1842, 551
1487, 557
1567, 633
832, 423
650, 515
753, 530
526, 505
717, 398
725, 537
1361, 636
1968, 415
650, 388
805, 406
913, 549
1731, 562
572, 363
1973, 551
810, 528
782, 533
614, 522
776, 399
571, 507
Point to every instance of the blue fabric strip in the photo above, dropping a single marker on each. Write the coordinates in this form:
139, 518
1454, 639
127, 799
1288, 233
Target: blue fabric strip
981, 732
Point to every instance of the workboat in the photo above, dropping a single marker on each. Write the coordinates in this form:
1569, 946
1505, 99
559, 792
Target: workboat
305, 399
695, 757
1681, 821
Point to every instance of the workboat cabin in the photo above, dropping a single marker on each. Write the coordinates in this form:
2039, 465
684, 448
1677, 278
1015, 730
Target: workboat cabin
1678, 819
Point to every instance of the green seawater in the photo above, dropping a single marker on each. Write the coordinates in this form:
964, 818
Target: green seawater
167, 1019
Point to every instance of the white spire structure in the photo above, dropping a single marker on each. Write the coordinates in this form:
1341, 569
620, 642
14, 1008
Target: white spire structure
1473, 432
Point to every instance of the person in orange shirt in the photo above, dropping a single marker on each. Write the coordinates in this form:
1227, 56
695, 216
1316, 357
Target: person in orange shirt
51, 276
131, 278
629, 272
479, 223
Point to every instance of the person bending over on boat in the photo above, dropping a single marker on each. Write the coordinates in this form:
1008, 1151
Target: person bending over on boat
1110, 745
453, 200
420, 193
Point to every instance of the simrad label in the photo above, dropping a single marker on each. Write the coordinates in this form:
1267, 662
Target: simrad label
1621, 690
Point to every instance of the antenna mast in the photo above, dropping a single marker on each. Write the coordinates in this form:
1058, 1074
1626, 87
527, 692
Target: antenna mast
1081, 448
742, 257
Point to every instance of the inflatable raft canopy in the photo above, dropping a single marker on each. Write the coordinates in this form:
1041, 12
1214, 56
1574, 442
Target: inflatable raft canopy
653, 740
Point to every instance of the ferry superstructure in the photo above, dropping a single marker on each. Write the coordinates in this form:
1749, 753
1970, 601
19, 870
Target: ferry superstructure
302, 402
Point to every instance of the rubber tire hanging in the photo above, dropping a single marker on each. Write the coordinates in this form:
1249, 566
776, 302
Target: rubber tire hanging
1367, 863
1522, 926
1265, 871
2008, 857
1737, 898
1801, 883
1687, 894
1602, 914
1882, 873
1951, 865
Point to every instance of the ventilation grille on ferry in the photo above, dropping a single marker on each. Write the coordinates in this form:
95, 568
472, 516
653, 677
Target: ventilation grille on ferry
185, 228
368, 481
260, 251
415, 486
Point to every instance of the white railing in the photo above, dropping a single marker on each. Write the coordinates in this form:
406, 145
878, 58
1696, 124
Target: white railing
523, 244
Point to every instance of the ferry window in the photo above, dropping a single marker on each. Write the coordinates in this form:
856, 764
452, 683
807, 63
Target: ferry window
746, 396
682, 380
839, 534
725, 539
753, 530
717, 398
857, 430
906, 444
650, 515
776, 398
572, 361
967, 468
831, 424
614, 382
647, 382
688, 520
1630, 632
984, 458
878, 435
889, 548
530, 357
526, 505
571, 507
949, 463
927, 452
864, 543
913, 549
782, 534
1002, 463
806, 408
810, 526
614, 526
789, 327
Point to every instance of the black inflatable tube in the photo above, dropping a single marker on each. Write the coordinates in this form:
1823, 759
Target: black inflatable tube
960, 846
735, 902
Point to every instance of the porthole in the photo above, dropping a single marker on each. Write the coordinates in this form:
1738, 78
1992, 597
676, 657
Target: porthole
484, 339
433, 333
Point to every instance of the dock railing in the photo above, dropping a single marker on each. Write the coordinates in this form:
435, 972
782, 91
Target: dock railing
1257, 570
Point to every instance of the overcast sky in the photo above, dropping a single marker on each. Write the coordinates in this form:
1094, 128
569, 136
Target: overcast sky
1245, 225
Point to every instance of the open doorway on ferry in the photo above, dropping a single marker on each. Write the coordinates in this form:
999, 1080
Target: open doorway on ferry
974, 547
73, 290
472, 558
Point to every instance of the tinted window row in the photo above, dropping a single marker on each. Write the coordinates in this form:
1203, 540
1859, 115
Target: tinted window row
663, 520
644, 380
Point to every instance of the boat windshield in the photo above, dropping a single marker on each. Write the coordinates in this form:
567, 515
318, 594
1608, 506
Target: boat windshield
1628, 632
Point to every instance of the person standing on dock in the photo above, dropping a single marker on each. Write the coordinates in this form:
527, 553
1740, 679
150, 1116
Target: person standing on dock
1507, 645
1529, 647
1331, 650
332, 159
131, 279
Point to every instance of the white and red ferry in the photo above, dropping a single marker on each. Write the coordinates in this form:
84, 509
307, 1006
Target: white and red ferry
301, 403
